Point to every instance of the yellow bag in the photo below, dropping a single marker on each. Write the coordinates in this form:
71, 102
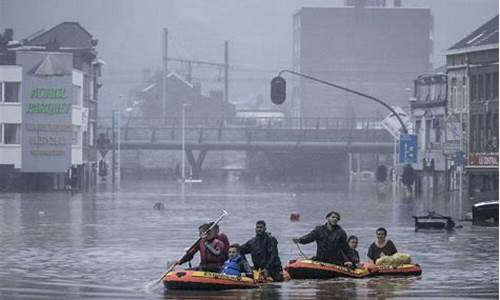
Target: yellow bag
396, 260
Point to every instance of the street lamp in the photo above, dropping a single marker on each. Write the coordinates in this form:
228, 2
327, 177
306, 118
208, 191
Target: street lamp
183, 174
278, 92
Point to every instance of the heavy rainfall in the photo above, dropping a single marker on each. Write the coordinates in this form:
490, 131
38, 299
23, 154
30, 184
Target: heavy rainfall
283, 149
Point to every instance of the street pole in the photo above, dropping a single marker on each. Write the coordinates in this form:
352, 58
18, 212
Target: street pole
226, 80
113, 152
164, 75
403, 126
460, 170
183, 174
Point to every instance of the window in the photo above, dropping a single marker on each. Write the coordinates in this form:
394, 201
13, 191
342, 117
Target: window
480, 121
480, 87
77, 95
418, 124
76, 136
495, 85
473, 87
10, 91
464, 93
12, 134
427, 131
437, 129
91, 133
453, 94
488, 93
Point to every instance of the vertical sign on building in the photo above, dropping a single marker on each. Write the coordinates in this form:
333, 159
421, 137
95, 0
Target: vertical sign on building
408, 149
47, 131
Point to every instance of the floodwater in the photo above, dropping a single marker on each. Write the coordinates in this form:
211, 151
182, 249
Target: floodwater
107, 245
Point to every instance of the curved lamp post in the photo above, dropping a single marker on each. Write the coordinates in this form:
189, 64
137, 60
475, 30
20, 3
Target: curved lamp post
278, 92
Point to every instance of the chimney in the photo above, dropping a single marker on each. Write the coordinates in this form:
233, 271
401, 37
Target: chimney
8, 34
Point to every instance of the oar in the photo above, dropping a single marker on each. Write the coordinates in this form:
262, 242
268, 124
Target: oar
224, 213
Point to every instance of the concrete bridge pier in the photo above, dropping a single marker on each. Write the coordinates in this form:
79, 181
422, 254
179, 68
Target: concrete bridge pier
196, 163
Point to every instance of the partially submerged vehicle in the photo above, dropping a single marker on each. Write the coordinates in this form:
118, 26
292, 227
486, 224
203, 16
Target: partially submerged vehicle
485, 213
433, 220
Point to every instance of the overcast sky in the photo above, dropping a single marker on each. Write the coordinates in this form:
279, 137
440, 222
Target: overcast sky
259, 31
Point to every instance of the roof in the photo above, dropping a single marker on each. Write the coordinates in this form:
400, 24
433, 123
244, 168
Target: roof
67, 34
485, 37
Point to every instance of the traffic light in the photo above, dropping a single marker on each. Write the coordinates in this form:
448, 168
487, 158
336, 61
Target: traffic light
278, 90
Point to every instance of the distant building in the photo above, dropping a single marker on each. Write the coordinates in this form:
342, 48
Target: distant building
428, 111
376, 50
472, 69
179, 91
49, 86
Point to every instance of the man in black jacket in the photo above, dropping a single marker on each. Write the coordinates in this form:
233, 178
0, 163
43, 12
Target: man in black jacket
264, 251
331, 241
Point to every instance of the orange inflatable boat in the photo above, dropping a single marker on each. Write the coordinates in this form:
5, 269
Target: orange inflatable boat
310, 269
200, 280
405, 269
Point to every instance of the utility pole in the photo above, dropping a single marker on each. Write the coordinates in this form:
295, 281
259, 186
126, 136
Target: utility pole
226, 80
164, 75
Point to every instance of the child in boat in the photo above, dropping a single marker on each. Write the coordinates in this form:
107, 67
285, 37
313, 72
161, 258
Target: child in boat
236, 264
381, 246
352, 241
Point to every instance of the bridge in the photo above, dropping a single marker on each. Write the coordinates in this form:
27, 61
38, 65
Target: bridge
312, 135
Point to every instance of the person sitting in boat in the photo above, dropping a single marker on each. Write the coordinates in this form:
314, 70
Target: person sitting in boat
264, 251
236, 264
211, 251
222, 237
381, 247
331, 242
352, 241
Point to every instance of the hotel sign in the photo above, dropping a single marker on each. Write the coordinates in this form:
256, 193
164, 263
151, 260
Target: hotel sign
483, 159
47, 130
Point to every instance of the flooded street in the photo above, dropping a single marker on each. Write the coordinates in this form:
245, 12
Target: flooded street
108, 245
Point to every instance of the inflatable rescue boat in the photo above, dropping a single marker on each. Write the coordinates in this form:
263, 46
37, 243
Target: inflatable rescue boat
310, 269
405, 269
200, 280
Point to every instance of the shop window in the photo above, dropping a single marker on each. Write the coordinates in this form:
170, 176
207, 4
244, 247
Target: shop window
10, 91
12, 134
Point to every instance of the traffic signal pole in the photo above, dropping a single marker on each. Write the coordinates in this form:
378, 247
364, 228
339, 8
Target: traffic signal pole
405, 130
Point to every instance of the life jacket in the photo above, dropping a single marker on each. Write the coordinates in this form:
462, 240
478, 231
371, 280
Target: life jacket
208, 258
232, 266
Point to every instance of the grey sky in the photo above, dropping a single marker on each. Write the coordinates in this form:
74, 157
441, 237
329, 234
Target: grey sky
259, 31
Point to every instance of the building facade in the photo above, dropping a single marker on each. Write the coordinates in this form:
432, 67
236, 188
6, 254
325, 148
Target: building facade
428, 111
472, 69
49, 86
376, 50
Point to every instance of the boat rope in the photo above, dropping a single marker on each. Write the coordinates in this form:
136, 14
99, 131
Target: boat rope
300, 251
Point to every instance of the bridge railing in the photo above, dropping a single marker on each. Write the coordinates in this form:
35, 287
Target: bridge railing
248, 134
253, 122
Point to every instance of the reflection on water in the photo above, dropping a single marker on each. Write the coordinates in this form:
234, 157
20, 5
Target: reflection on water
110, 245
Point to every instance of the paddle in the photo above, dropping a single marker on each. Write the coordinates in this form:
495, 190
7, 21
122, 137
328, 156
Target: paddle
224, 213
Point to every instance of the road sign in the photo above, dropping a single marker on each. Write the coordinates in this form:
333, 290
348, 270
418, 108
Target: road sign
459, 158
408, 148
392, 124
